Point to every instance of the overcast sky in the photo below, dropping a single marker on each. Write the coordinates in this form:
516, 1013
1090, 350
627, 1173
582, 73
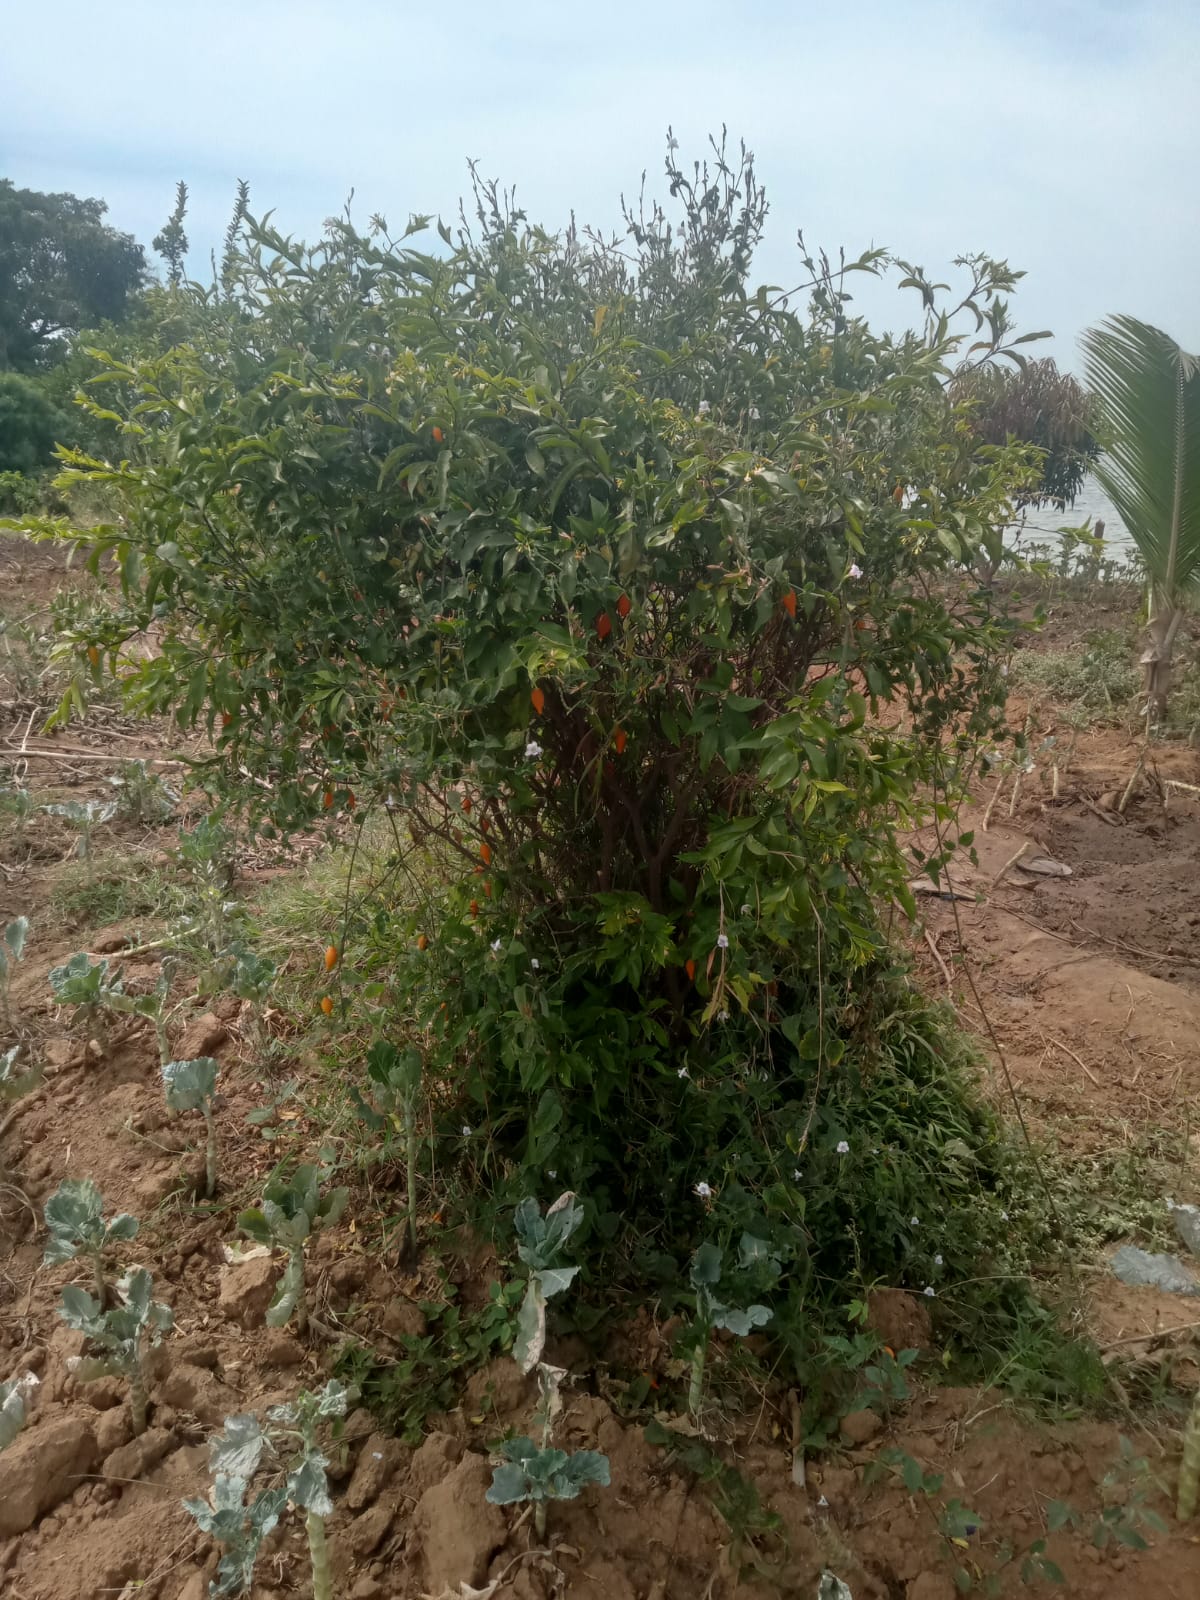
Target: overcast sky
1061, 134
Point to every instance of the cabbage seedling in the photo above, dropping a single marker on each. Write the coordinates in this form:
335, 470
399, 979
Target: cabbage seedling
191, 1086
75, 1220
152, 1006
307, 1483
85, 984
12, 948
541, 1240
14, 1406
141, 794
235, 1455
706, 1270
251, 980
84, 815
396, 1082
121, 1333
542, 1475
292, 1210
237, 1527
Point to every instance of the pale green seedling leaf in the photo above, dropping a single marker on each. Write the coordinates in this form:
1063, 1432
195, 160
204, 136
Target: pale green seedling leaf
287, 1293
236, 1451
190, 1085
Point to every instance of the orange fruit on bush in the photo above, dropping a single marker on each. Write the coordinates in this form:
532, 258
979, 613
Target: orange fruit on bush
331, 958
327, 800
327, 1004
474, 908
689, 966
789, 603
466, 804
351, 802
484, 824
485, 853
603, 625
538, 700
226, 719
422, 942
620, 740
438, 435
93, 655
624, 607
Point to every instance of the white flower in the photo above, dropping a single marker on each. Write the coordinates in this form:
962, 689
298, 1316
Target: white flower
722, 1016
855, 570
683, 1073
533, 750
466, 1131
703, 408
495, 947
722, 941
796, 1175
535, 963
1004, 1216
551, 1174
823, 1505
747, 911
914, 1222
937, 1261
755, 414
930, 1291
703, 1190
843, 1147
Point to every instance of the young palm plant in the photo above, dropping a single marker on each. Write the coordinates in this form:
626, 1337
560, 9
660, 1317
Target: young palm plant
1149, 393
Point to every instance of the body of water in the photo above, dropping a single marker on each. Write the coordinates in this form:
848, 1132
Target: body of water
1091, 506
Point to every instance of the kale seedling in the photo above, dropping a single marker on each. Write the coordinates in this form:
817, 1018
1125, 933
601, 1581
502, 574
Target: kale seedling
191, 1086
75, 1219
291, 1210
153, 1006
120, 1333
754, 1256
205, 853
235, 1455
141, 794
12, 948
250, 978
541, 1239
14, 1406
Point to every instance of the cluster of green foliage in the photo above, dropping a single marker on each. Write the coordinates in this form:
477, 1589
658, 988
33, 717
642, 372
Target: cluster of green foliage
1037, 404
631, 597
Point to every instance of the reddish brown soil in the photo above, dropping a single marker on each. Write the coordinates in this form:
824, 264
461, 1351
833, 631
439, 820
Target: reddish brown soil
1091, 985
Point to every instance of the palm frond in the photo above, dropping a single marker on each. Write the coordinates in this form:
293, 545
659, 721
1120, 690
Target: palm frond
1149, 393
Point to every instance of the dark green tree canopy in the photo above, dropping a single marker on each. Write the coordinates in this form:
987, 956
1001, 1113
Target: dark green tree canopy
30, 424
1035, 404
62, 268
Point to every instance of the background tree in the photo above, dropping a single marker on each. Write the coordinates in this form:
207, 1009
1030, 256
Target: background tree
30, 425
62, 268
1149, 393
1035, 404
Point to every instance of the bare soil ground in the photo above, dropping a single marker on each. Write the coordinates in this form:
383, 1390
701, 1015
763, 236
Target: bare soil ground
1086, 993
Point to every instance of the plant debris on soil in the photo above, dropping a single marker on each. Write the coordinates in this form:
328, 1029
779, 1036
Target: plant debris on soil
1087, 986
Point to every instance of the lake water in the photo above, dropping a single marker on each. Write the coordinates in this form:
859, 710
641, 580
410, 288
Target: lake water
1091, 505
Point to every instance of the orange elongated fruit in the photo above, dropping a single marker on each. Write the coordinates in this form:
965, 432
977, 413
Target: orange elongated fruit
423, 941
327, 1004
351, 802
438, 435
789, 603
603, 625
624, 607
466, 804
474, 908
93, 655
537, 699
485, 853
689, 966
484, 824
226, 719
327, 800
331, 958
620, 740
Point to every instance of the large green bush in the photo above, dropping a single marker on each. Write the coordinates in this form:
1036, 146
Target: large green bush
633, 598
29, 425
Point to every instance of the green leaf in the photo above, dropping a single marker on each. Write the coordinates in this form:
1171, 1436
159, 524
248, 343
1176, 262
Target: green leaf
287, 1292
190, 1085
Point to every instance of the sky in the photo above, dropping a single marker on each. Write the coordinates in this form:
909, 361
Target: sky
1063, 135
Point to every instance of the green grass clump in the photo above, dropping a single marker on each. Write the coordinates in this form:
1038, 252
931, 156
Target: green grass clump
1100, 677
